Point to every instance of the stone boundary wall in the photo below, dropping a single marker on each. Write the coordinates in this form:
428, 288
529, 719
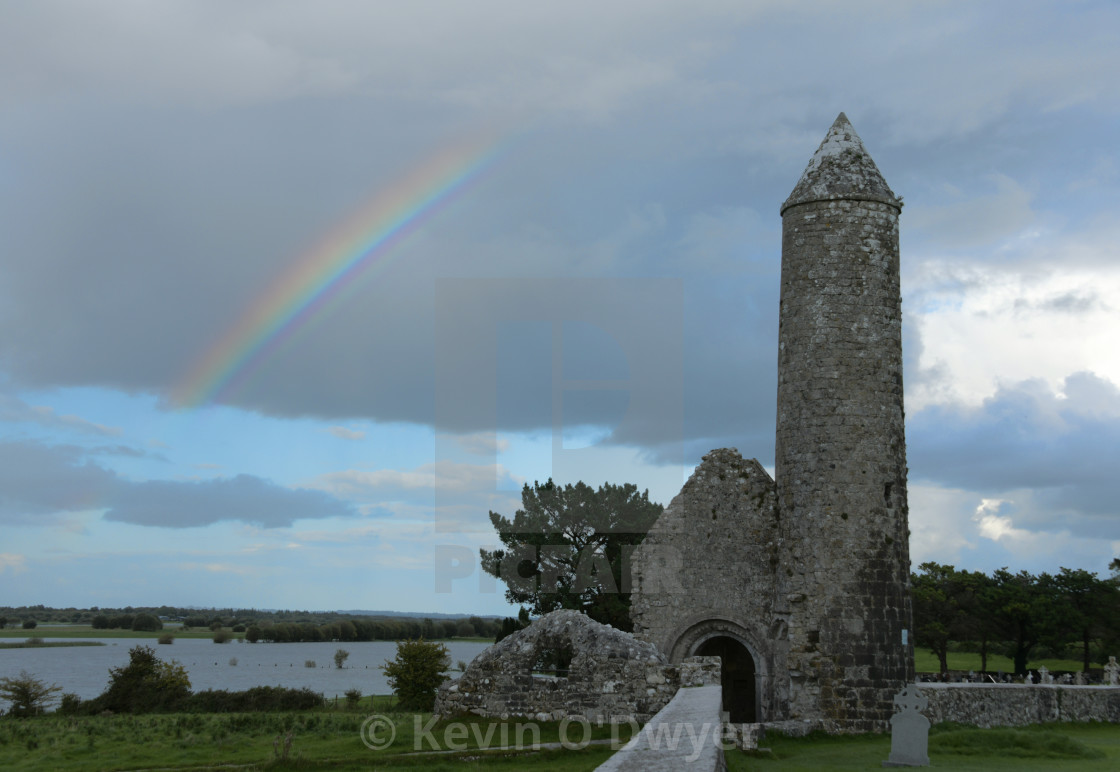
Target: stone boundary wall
612, 676
989, 705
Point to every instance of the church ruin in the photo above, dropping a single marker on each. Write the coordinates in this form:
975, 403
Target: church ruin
800, 584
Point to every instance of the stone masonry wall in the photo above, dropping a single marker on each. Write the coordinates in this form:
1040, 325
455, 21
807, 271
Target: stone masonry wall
612, 675
707, 568
841, 460
988, 705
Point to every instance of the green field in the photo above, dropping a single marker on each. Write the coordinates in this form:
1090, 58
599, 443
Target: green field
54, 645
85, 631
1057, 747
925, 662
331, 739
320, 739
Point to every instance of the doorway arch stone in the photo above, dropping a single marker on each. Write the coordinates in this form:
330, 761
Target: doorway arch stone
746, 668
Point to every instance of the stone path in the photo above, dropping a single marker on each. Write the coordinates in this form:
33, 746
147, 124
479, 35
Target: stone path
685, 734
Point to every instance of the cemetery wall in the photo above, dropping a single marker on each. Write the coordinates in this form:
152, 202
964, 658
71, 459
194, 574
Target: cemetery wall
988, 705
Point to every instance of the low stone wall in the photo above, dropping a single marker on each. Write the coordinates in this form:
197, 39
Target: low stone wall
612, 676
988, 705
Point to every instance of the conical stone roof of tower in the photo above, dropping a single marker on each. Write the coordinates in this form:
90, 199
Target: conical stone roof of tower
841, 169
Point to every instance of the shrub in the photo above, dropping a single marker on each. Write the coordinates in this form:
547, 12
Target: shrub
233, 661
253, 634
27, 694
145, 685
416, 673
340, 657
353, 697
257, 699
70, 705
167, 638
30, 624
309, 663
238, 628
35, 641
221, 636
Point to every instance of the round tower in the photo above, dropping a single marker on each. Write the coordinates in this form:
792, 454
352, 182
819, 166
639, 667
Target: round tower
840, 462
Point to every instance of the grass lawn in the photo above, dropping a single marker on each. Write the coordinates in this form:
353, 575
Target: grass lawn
327, 738
331, 739
925, 662
1058, 747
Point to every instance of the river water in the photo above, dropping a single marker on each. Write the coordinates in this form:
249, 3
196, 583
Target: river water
84, 670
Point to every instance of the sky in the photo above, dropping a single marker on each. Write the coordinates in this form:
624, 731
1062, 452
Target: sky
292, 294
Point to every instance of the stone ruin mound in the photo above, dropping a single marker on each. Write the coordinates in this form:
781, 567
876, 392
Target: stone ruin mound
566, 665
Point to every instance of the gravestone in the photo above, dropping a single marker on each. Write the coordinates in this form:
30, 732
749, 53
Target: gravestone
1112, 672
1079, 679
1044, 676
909, 730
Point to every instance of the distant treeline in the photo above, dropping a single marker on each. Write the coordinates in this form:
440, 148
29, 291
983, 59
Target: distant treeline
373, 629
260, 625
1072, 614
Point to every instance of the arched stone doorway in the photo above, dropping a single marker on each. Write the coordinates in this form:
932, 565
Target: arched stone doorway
739, 682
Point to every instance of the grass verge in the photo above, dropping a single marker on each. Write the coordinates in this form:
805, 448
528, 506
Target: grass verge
1091, 747
319, 739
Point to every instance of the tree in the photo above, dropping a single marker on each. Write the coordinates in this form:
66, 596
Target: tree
146, 684
569, 547
100, 622
416, 673
253, 634
30, 624
939, 597
1086, 607
28, 695
979, 602
340, 658
3, 622
509, 625
1026, 611
146, 623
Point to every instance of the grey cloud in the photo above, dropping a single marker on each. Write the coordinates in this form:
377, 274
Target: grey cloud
1068, 302
1025, 438
38, 481
15, 410
174, 504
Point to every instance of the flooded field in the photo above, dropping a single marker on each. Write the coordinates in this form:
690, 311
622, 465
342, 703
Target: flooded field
84, 670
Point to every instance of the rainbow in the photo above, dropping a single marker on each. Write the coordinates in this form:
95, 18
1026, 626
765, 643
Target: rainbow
319, 278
